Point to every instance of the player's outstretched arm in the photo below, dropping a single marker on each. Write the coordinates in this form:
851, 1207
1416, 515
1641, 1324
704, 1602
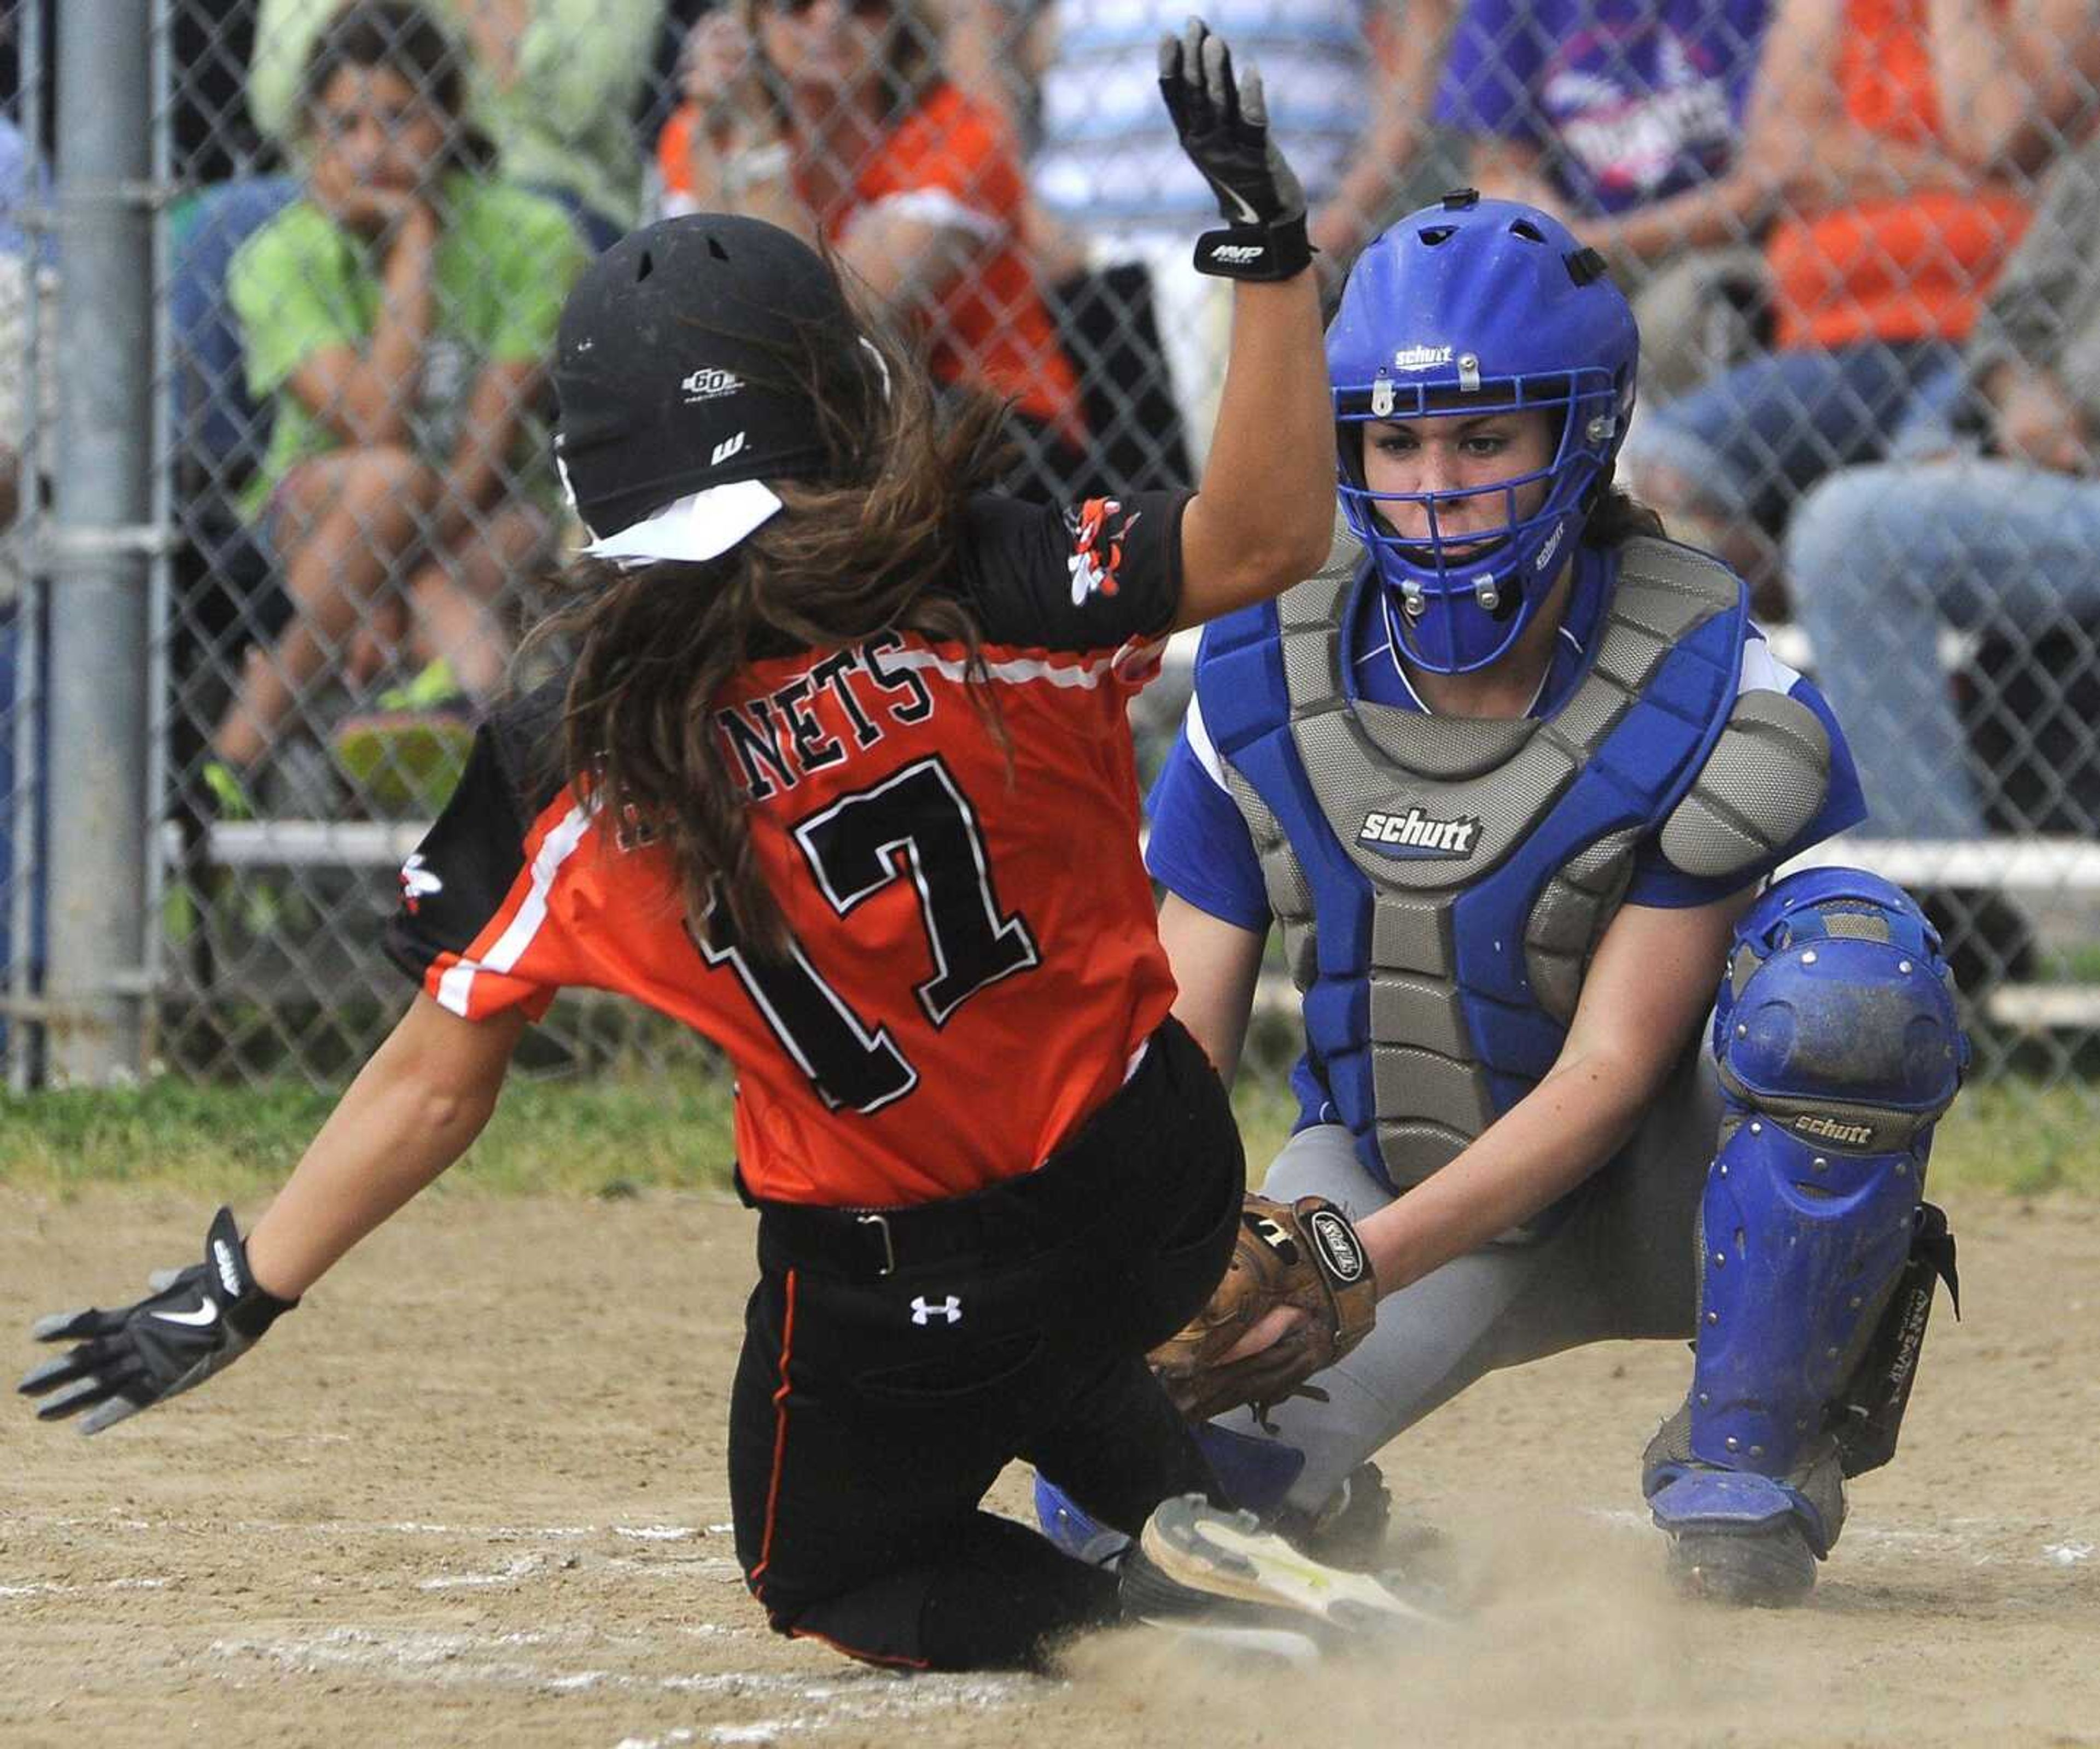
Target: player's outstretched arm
411, 1112
1262, 516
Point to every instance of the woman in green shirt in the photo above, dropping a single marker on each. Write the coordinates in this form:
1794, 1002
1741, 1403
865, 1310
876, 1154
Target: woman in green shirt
399, 317
552, 84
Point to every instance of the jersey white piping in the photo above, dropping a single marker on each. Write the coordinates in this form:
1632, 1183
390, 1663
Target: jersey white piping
1014, 671
456, 988
1200, 744
1761, 671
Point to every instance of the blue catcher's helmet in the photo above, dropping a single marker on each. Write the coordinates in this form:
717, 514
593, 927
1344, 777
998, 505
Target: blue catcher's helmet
1465, 307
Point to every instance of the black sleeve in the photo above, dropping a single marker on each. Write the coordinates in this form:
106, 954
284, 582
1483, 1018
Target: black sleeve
1089, 577
460, 875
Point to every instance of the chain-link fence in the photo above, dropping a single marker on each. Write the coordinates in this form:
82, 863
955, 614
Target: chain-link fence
1860, 234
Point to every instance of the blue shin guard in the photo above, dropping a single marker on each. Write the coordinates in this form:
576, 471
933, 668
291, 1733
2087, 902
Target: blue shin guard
1838, 1047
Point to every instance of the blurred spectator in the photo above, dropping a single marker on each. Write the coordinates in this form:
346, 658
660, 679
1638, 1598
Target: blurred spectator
1626, 117
28, 263
1900, 134
836, 120
24, 422
16, 266
1997, 529
1349, 84
399, 315
552, 84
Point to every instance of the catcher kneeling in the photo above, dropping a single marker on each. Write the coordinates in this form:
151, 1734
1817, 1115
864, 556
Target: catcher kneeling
1512, 772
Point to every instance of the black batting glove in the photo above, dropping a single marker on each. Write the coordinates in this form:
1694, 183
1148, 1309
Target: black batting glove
1223, 127
197, 1321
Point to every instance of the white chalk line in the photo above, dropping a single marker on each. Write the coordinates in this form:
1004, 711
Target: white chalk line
530, 1566
675, 1567
448, 1659
494, 1533
522, 1568
42, 1589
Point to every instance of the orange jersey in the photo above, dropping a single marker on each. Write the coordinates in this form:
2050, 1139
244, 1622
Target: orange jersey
974, 960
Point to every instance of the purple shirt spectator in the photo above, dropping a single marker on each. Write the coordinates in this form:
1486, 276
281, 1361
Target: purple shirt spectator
1629, 101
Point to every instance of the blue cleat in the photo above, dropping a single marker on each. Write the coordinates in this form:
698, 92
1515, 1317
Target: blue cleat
1254, 1474
1061, 1519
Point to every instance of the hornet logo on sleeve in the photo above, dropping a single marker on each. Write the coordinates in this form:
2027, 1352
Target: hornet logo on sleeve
1415, 836
418, 882
1097, 551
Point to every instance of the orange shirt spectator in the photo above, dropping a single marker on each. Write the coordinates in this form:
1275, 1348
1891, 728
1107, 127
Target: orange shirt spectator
1911, 266
949, 161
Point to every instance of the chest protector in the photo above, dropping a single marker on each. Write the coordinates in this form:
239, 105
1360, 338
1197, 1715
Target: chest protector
1442, 882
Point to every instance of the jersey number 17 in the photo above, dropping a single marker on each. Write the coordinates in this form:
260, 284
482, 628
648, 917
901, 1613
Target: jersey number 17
852, 848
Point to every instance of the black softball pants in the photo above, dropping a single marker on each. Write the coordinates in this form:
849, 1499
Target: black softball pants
895, 1360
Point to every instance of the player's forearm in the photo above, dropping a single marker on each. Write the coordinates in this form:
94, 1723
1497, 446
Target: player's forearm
1217, 967
1537, 1151
1266, 504
406, 1118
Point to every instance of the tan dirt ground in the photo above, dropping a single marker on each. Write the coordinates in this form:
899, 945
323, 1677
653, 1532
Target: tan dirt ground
473, 1494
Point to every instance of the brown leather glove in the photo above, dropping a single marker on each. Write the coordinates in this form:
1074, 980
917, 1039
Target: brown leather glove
1303, 1254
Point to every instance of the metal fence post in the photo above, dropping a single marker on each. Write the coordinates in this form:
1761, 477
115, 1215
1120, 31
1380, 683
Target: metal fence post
99, 538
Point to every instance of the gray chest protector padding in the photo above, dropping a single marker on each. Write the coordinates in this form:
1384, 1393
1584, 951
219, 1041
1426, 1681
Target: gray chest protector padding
1763, 781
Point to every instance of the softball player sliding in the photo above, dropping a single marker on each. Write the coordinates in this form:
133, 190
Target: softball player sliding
839, 775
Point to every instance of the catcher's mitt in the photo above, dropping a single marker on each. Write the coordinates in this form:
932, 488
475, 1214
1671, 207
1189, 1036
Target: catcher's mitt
1304, 1255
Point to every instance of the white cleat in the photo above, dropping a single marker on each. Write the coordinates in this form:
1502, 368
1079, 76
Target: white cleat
1219, 1576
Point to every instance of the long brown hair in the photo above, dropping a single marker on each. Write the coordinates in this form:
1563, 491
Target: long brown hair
868, 545
1617, 516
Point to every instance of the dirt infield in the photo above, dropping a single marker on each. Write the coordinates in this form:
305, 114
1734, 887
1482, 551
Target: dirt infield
473, 1494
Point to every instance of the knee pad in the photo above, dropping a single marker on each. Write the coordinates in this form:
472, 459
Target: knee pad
1838, 1047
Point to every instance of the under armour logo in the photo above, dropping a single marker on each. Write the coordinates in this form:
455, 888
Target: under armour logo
951, 1309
